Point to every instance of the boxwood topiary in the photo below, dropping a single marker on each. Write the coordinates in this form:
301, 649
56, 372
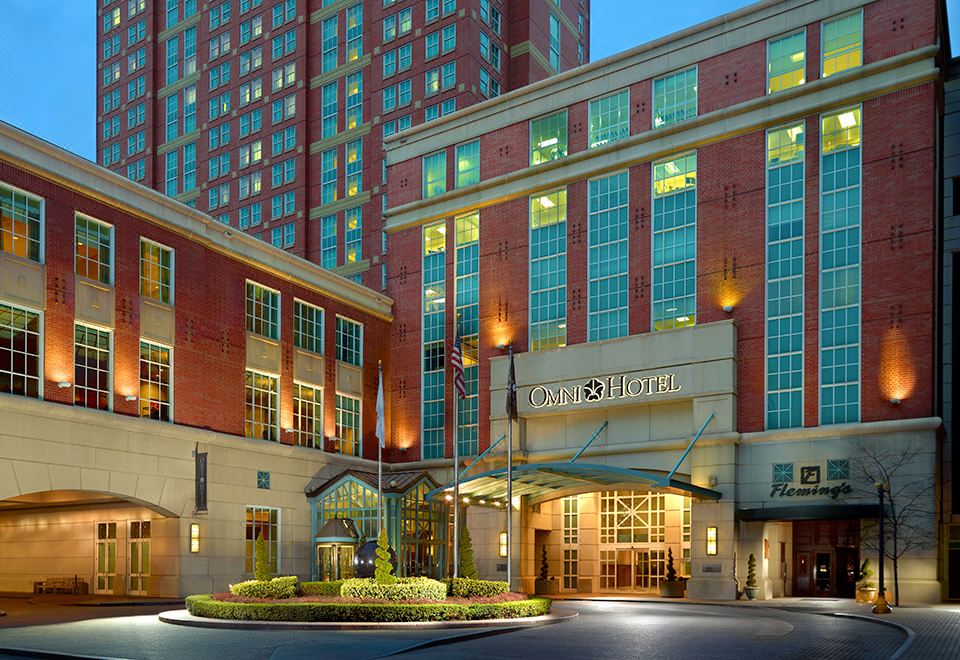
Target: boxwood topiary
328, 588
418, 588
277, 588
467, 588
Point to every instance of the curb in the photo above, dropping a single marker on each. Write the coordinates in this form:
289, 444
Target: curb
29, 653
885, 622
184, 618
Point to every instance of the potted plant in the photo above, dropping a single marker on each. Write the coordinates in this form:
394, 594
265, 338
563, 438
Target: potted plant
543, 585
866, 590
751, 589
671, 586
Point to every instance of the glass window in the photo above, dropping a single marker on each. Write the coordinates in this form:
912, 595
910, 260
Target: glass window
674, 242
607, 265
354, 100
842, 43
308, 415
329, 111
548, 270
555, 42
348, 425
328, 241
156, 381
92, 387
548, 138
349, 341
328, 176
263, 521
156, 272
353, 235
262, 412
354, 167
307, 327
20, 350
431, 82
610, 118
328, 57
782, 473
448, 38
433, 408
838, 469
786, 62
448, 75
435, 174
354, 32
21, 224
263, 311
94, 249
467, 295
432, 45
675, 97
468, 164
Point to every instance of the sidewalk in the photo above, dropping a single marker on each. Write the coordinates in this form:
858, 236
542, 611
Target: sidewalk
936, 627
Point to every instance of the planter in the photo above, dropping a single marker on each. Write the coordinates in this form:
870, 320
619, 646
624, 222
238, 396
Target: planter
751, 592
671, 589
866, 594
546, 587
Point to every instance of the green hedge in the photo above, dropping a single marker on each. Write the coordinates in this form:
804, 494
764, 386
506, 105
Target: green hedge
328, 588
418, 588
277, 588
205, 606
467, 588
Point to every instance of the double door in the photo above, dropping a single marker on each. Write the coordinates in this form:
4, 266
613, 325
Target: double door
631, 569
826, 558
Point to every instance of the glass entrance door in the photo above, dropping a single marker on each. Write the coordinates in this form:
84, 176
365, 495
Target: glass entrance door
630, 569
139, 556
334, 561
106, 557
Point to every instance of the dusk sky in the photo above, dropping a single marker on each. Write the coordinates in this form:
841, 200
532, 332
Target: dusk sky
48, 56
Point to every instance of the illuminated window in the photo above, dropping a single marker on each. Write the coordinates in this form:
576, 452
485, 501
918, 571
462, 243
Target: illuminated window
353, 235
503, 544
94, 249
349, 341
354, 100
610, 118
675, 97
674, 242
467, 294
354, 32
354, 167
434, 338
156, 272
548, 270
548, 138
262, 410
348, 424
786, 62
571, 519
21, 224
840, 275
608, 282
20, 350
711, 541
92, 384
468, 164
263, 521
435, 174
263, 311
156, 381
784, 277
842, 40
307, 327
308, 415
431, 82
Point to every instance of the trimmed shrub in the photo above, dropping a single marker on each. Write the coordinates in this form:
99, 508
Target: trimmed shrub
261, 565
418, 588
277, 588
328, 588
467, 588
383, 569
205, 606
467, 568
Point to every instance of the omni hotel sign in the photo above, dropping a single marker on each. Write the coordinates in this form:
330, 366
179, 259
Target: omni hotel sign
608, 388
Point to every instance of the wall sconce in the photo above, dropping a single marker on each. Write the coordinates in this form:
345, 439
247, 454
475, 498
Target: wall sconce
503, 544
502, 346
728, 308
288, 430
712, 480
448, 498
130, 397
711, 541
64, 384
896, 401
194, 537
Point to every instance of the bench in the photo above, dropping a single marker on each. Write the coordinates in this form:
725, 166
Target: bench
60, 585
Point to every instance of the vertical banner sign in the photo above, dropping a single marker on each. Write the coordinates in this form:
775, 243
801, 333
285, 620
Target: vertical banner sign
201, 480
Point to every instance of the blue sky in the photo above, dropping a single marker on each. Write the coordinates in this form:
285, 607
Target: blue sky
48, 56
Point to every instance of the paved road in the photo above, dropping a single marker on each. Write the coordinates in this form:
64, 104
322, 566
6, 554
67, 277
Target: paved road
603, 630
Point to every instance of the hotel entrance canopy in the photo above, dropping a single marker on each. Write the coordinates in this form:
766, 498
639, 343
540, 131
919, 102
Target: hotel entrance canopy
546, 481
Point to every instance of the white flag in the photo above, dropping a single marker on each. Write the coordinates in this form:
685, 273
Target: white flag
381, 433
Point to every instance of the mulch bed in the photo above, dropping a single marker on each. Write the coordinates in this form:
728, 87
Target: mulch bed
451, 600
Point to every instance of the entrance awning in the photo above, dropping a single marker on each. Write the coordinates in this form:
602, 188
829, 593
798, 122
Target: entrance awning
544, 481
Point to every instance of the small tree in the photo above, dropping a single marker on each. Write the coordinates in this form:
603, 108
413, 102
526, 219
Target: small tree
382, 568
261, 563
865, 574
468, 569
751, 571
671, 571
544, 565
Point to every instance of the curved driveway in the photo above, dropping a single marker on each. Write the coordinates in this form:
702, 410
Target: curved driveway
603, 630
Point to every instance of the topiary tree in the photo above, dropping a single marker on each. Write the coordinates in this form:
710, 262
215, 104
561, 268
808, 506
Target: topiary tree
383, 569
544, 565
468, 569
866, 572
261, 564
671, 571
751, 571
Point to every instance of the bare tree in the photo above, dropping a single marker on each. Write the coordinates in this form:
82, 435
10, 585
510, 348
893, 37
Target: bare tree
909, 508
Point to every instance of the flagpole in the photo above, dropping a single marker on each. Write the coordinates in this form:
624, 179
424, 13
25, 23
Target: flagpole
510, 492
380, 442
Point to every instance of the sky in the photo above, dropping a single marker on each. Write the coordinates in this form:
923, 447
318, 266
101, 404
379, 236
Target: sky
48, 56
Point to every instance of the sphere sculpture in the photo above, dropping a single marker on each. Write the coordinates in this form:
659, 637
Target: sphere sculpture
365, 559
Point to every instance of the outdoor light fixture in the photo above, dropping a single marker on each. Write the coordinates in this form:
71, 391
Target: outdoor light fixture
130, 397
711, 540
448, 498
288, 430
501, 346
728, 308
63, 384
503, 544
895, 400
466, 500
194, 537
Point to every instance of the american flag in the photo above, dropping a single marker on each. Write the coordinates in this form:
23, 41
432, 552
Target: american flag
456, 361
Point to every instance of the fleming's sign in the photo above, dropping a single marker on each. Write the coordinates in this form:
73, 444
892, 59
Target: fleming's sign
595, 390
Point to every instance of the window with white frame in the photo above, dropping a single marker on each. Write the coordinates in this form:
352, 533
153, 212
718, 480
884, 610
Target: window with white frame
468, 164
610, 118
156, 271
548, 270
308, 415
349, 341
262, 521
20, 351
607, 278
555, 43
156, 381
435, 174
263, 311
21, 224
354, 32
786, 62
93, 364
675, 242
675, 97
548, 138
93, 243
262, 409
307, 327
354, 167
353, 235
348, 424
842, 43
433, 408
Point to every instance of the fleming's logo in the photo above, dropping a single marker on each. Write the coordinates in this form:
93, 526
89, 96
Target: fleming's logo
596, 390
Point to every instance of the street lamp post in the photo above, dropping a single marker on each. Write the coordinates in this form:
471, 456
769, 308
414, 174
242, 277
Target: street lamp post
880, 605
